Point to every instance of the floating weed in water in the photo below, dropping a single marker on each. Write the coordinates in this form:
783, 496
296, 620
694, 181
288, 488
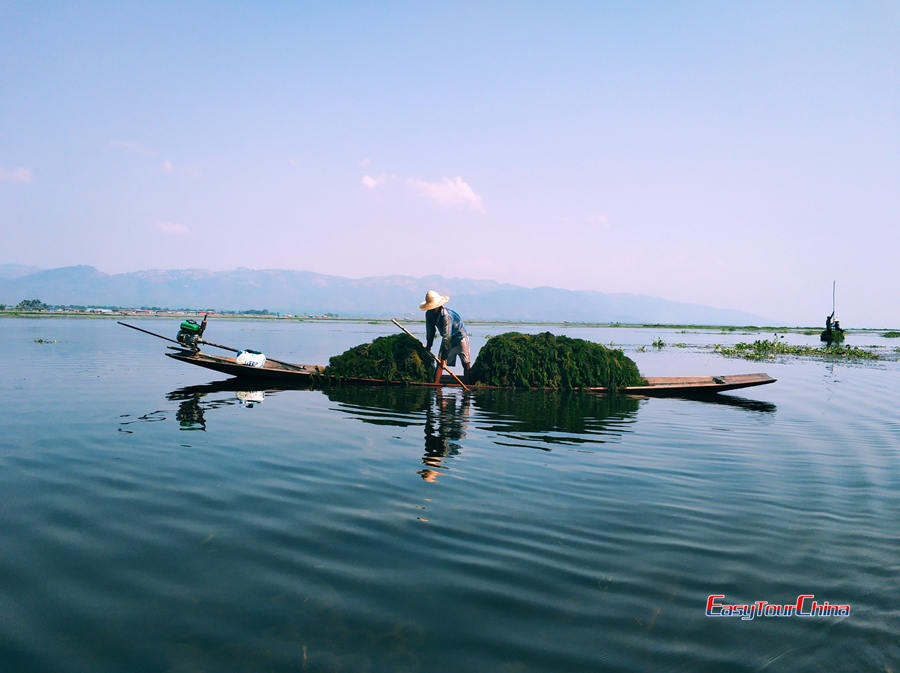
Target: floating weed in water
890, 335
641, 349
769, 348
680, 345
46, 341
658, 343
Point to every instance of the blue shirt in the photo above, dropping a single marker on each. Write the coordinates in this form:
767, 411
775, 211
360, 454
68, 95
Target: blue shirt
447, 322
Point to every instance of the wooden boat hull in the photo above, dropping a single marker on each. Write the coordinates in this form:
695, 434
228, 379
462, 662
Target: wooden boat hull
658, 386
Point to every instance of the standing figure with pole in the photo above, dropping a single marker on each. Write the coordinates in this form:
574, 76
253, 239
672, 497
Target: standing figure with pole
438, 318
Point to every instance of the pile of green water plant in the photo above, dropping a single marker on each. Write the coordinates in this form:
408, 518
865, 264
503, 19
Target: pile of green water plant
547, 361
392, 358
890, 335
769, 348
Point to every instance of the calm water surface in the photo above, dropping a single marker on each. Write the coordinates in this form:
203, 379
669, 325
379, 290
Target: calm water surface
156, 518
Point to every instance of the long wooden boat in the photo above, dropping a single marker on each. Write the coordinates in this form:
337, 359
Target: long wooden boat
298, 374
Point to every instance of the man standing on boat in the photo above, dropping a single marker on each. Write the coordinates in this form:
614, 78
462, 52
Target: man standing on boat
439, 318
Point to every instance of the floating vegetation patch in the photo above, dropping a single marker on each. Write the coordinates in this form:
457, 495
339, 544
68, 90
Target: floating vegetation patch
392, 358
658, 343
547, 361
890, 335
46, 341
769, 348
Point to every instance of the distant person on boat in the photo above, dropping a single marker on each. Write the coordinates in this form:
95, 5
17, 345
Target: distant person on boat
447, 322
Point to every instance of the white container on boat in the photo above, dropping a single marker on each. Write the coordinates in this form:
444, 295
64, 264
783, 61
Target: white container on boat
251, 357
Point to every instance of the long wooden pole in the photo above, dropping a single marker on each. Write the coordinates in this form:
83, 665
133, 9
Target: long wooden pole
436, 358
202, 341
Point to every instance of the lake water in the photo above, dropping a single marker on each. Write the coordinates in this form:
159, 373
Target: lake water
154, 518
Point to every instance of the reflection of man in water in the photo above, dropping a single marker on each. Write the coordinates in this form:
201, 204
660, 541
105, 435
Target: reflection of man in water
444, 427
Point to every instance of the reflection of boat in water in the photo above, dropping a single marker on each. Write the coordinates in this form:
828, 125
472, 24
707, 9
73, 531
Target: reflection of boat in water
535, 419
192, 405
402, 406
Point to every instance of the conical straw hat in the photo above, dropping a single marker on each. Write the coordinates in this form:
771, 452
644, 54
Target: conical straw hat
433, 299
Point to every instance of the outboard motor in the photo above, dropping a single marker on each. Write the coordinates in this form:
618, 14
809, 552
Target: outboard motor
190, 333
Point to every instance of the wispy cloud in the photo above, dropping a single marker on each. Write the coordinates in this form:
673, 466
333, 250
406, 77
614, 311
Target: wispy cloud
449, 193
21, 175
293, 162
371, 182
132, 146
171, 169
171, 228
364, 162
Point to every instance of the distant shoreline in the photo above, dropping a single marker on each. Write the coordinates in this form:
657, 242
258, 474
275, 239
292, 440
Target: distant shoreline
810, 330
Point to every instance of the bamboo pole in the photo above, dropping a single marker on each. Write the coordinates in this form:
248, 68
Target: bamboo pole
436, 358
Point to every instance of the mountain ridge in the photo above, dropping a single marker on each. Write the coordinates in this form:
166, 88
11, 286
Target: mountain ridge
307, 292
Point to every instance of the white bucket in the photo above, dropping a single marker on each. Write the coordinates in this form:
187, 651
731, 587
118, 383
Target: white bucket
252, 358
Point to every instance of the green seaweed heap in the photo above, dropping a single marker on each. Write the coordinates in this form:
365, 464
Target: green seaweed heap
548, 361
393, 358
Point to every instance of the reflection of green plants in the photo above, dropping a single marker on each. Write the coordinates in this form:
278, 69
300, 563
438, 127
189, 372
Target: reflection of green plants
543, 410
766, 348
406, 399
680, 345
890, 335
658, 343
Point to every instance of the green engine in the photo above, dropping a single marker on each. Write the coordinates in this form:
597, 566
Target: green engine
190, 332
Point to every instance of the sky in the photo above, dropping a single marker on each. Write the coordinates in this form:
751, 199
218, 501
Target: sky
740, 155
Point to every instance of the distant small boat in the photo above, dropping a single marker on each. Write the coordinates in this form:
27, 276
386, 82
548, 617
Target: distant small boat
832, 332
832, 335
658, 386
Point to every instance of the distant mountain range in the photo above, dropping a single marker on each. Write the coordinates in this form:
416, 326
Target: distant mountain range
16, 270
304, 292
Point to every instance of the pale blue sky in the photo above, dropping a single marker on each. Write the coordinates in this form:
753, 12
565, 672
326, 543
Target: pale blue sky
738, 155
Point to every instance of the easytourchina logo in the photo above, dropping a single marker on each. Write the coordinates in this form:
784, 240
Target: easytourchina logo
805, 606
